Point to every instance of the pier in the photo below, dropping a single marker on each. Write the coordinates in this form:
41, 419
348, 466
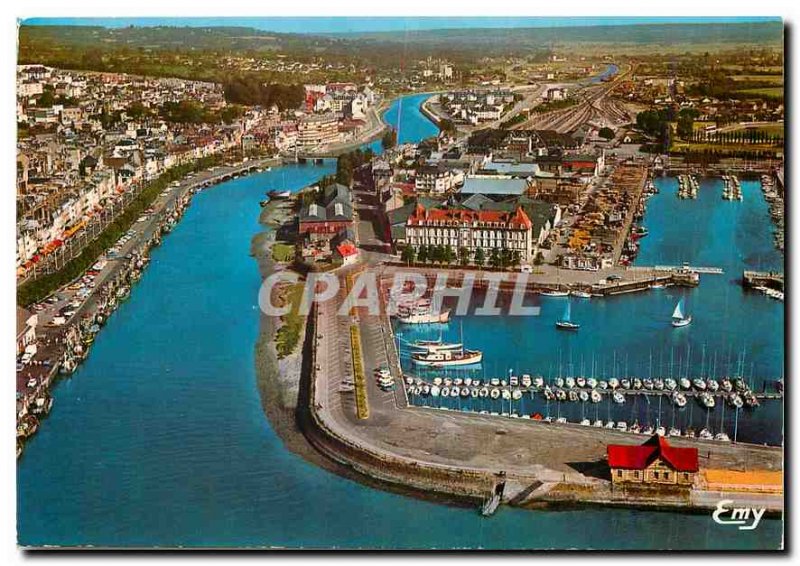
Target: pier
771, 279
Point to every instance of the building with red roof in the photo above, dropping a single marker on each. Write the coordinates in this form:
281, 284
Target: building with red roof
472, 229
347, 252
655, 462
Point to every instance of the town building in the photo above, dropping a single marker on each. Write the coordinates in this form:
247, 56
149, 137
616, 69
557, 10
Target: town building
317, 130
436, 179
653, 463
333, 215
26, 330
470, 229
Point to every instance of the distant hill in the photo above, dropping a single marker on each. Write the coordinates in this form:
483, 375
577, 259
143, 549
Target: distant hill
84, 45
640, 34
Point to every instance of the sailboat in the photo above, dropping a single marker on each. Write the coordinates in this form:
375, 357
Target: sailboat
565, 323
678, 318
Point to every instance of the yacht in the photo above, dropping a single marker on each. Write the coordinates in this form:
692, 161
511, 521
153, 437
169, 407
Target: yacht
448, 358
554, 293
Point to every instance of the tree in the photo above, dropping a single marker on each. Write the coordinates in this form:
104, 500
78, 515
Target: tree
437, 254
422, 254
389, 139
447, 127
516, 258
463, 255
344, 169
136, 110
408, 255
251, 91
480, 257
231, 113
505, 257
606, 133
494, 258
448, 255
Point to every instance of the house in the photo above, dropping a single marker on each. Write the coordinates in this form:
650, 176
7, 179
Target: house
435, 179
323, 221
347, 253
653, 463
26, 329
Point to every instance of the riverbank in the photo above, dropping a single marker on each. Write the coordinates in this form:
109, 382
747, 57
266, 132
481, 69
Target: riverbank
63, 346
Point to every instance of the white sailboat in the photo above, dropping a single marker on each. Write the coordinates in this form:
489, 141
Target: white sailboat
678, 318
565, 323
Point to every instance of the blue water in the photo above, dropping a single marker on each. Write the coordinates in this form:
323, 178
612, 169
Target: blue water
632, 335
610, 71
159, 439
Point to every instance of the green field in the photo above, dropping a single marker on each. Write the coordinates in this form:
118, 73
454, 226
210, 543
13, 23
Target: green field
282, 252
767, 92
770, 79
288, 334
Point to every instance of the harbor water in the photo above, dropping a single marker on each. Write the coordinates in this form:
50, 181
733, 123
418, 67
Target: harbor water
734, 332
160, 439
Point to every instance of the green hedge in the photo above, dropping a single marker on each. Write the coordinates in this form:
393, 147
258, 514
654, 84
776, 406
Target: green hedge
34, 291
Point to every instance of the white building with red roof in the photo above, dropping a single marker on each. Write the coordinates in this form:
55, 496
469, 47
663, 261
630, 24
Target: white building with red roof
472, 229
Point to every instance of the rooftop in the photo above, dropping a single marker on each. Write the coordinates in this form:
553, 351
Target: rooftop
494, 186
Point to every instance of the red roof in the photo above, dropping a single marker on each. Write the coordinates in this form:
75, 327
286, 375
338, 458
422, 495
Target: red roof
346, 250
516, 219
656, 447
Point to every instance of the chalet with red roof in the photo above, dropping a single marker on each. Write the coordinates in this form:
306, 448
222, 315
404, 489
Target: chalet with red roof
653, 463
472, 229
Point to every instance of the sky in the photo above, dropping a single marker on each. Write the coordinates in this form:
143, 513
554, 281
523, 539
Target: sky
377, 24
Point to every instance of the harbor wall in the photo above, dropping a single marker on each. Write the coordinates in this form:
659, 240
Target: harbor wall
397, 472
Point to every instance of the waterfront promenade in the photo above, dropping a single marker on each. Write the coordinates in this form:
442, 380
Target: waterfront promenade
36, 378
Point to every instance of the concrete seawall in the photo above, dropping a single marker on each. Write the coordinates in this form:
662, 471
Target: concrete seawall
395, 471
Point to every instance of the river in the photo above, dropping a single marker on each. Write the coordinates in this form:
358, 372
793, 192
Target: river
160, 439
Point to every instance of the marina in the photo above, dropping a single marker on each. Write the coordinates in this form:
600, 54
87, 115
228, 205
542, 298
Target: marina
187, 411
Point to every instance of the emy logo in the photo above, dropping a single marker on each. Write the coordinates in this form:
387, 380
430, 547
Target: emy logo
746, 518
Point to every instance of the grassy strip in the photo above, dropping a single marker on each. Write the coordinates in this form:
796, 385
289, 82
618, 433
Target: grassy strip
282, 252
34, 291
362, 407
288, 334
